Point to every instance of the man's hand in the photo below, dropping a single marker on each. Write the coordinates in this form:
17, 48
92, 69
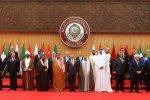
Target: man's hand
101, 68
138, 72
45, 70
114, 72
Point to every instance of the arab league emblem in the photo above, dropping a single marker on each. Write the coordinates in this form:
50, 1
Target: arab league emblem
74, 31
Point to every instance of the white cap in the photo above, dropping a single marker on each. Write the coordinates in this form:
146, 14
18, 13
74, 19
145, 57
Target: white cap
27, 52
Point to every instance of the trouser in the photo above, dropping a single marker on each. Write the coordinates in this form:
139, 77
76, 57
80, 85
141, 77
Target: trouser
72, 80
134, 81
13, 81
119, 82
147, 79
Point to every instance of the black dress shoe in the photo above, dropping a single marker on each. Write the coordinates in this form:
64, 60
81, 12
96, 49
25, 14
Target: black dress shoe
137, 91
130, 91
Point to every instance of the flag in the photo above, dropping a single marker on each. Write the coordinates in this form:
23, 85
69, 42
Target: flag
113, 54
120, 48
55, 49
93, 47
107, 45
133, 48
100, 46
127, 50
140, 51
17, 48
148, 51
29, 49
42, 49
9, 47
23, 51
36, 49
3, 55
49, 53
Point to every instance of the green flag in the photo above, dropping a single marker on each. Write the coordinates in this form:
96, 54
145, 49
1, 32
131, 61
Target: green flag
148, 51
23, 51
9, 48
55, 49
140, 51
107, 45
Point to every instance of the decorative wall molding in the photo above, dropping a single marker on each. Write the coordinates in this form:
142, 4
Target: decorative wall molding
48, 16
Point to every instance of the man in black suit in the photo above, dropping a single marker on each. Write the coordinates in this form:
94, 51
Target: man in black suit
0, 74
13, 70
66, 58
79, 65
50, 68
71, 72
120, 64
36, 59
135, 68
147, 74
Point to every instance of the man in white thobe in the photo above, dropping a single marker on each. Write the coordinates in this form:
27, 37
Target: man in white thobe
100, 72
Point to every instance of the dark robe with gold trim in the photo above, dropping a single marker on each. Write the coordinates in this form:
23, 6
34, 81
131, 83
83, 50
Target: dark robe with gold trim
43, 77
28, 75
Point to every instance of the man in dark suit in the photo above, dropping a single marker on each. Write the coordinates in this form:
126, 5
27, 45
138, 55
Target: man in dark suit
36, 59
13, 70
50, 68
147, 74
79, 65
0, 74
135, 73
71, 72
66, 58
120, 64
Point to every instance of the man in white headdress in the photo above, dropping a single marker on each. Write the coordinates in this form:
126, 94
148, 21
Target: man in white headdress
92, 60
27, 72
100, 72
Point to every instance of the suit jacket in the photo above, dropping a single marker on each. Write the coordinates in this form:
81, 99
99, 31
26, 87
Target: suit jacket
134, 67
36, 59
147, 67
13, 66
120, 66
70, 68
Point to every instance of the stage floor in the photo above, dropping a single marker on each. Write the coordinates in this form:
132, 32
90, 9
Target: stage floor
20, 94
66, 95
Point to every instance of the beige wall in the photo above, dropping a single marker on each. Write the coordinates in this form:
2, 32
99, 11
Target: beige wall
53, 38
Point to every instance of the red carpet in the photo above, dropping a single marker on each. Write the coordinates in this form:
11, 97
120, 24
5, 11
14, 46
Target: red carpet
66, 95
5, 94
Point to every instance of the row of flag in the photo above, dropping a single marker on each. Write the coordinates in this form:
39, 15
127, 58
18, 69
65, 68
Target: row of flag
48, 53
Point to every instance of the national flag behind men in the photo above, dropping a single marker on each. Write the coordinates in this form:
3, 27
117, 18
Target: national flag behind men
29, 49
49, 52
127, 50
36, 49
148, 51
9, 47
23, 51
140, 51
42, 49
17, 47
3, 55
55, 48
113, 54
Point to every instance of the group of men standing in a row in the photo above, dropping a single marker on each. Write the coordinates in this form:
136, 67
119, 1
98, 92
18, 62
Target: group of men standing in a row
88, 73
